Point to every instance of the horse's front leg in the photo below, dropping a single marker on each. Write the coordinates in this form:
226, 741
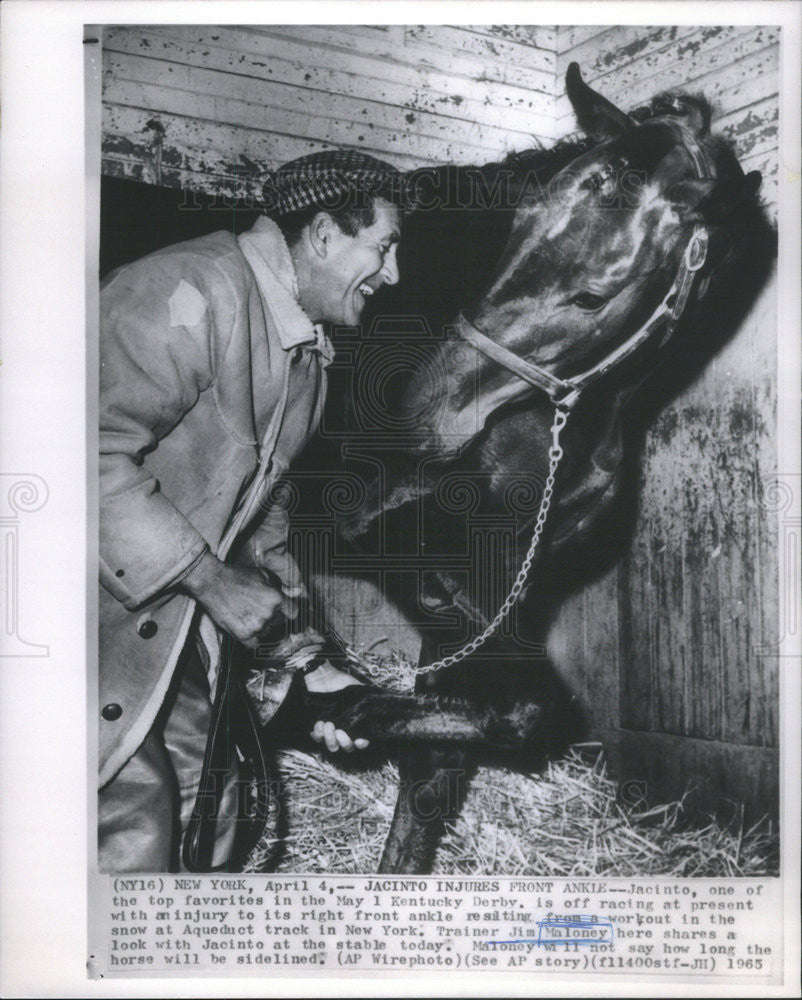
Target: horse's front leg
426, 719
525, 707
431, 791
432, 786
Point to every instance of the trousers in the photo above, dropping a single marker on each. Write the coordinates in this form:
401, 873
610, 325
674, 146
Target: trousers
144, 810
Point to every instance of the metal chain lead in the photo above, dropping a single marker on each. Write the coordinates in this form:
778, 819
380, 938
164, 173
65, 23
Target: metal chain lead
555, 455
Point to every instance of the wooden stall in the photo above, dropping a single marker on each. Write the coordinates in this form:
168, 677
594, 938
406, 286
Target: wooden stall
674, 648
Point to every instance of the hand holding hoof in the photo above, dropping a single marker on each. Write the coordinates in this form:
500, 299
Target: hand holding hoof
327, 680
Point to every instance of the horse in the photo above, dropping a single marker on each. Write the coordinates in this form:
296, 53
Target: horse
550, 304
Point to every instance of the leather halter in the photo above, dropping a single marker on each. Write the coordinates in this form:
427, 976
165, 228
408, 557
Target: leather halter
565, 392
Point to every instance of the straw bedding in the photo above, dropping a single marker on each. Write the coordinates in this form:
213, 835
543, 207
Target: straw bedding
332, 815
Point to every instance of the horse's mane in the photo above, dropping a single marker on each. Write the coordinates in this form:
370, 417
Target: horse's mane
546, 161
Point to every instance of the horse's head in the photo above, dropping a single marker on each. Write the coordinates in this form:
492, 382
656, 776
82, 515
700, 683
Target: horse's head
596, 256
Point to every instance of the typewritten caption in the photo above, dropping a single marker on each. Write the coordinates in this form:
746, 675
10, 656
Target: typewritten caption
235, 924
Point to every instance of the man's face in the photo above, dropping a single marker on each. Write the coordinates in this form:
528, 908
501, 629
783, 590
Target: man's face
355, 267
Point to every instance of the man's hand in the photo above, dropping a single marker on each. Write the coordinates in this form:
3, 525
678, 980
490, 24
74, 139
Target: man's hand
240, 599
328, 678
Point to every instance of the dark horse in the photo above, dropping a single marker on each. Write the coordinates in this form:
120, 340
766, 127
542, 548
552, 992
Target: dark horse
539, 294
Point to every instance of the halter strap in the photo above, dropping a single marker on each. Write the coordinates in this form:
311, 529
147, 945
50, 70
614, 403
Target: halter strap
565, 393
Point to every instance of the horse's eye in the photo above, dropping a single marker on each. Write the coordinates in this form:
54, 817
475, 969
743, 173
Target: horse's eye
588, 301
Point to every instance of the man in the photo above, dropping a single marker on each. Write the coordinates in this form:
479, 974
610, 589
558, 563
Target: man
212, 380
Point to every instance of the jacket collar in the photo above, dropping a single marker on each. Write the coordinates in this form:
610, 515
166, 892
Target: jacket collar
266, 251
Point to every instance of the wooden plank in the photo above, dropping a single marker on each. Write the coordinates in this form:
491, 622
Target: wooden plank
655, 652
756, 348
246, 170
537, 36
240, 113
254, 45
225, 144
686, 541
643, 56
225, 188
637, 642
756, 77
701, 569
717, 775
747, 81
720, 569
654, 592
338, 94
457, 40
193, 175
708, 558
569, 36
601, 641
753, 130
756, 710
287, 61
421, 53
753, 84
231, 93
620, 45
352, 36
704, 69
235, 159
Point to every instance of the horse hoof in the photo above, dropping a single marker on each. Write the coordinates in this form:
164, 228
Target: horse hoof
517, 727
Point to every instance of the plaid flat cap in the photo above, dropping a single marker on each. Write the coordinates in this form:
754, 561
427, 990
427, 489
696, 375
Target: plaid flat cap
331, 180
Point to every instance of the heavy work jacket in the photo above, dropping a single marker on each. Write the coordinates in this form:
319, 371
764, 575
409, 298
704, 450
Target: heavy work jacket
212, 379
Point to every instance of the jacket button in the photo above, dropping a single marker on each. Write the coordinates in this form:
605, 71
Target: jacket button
111, 712
148, 628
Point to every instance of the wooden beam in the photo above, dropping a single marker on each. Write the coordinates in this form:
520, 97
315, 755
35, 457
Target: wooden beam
713, 778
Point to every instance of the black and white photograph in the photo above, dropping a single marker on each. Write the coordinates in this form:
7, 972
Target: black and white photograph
436, 428
437, 494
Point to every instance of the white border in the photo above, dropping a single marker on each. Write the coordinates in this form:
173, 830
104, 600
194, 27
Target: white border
42, 702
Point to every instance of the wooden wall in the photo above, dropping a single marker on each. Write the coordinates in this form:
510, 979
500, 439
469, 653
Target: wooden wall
215, 107
674, 647
734, 67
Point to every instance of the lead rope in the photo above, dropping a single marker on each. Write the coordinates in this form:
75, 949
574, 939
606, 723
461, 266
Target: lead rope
555, 456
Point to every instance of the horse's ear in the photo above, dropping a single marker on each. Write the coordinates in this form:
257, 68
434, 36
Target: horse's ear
597, 116
752, 182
